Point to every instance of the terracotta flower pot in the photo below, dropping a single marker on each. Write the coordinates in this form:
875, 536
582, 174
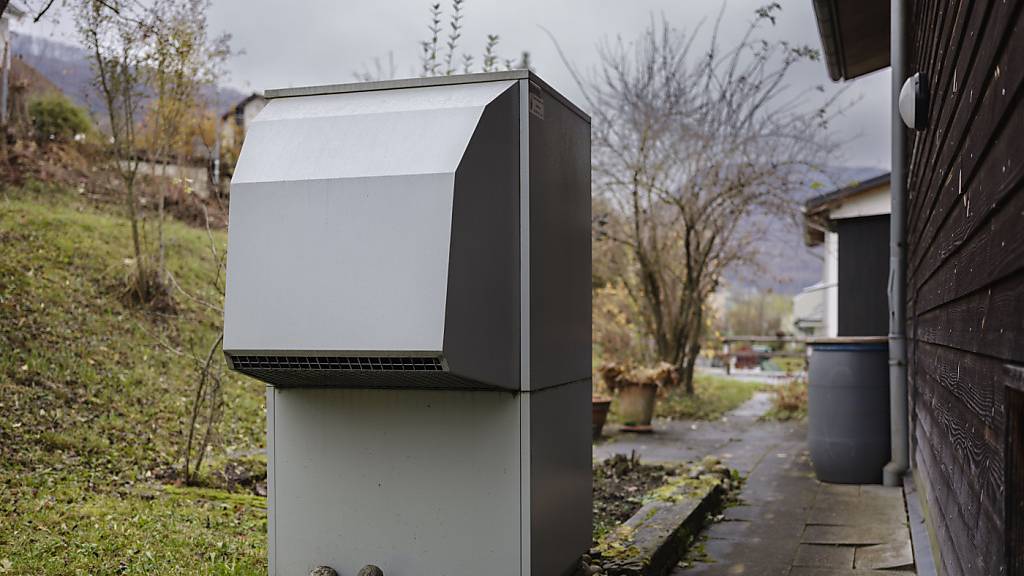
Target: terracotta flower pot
636, 406
601, 404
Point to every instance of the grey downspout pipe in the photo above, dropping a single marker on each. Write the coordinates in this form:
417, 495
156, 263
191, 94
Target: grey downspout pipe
892, 474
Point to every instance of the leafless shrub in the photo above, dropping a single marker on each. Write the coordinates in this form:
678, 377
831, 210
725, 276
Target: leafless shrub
689, 146
439, 53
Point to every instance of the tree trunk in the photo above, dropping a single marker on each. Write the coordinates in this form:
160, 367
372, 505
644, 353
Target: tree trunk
140, 265
161, 263
692, 350
689, 362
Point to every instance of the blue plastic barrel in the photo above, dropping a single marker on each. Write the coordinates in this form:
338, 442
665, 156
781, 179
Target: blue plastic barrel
848, 409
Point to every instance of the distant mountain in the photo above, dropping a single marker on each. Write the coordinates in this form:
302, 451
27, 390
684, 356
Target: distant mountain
68, 67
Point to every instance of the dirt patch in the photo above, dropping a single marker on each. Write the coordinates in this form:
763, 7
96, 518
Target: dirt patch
620, 484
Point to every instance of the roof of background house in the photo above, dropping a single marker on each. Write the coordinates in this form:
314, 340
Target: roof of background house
854, 35
242, 103
829, 199
817, 209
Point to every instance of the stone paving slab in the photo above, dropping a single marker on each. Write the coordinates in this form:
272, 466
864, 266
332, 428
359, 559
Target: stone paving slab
885, 556
885, 494
778, 493
771, 513
755, 552
737, 568
806, 571
861, 511
749, 530
840, 490
819, 556
855, 535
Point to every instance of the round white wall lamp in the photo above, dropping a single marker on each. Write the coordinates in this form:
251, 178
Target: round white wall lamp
914, 102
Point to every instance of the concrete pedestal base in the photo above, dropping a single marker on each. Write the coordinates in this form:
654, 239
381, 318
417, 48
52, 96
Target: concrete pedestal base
460, 483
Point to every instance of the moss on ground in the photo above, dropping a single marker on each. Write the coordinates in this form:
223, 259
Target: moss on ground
621, 484
94, 398
619, 548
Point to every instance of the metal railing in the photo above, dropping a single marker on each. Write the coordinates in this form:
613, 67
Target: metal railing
731, 357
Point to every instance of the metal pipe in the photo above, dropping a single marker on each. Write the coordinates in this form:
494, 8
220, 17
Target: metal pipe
893, 473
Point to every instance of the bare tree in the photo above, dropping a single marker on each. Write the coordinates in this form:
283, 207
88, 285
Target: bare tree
690, 148
118, 48
182, 59
161, 53
158, 55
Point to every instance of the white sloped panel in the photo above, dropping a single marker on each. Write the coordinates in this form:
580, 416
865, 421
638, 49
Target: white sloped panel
339, 265
340, 222
363, 134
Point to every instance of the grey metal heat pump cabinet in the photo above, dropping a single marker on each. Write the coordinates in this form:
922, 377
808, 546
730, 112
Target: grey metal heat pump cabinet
409, 272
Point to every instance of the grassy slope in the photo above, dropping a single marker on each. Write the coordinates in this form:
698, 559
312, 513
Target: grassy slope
91, 404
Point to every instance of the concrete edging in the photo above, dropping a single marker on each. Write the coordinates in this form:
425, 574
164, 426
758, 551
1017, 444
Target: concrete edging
655, 539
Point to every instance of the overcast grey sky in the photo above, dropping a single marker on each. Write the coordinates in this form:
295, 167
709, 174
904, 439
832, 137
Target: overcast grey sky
302, 42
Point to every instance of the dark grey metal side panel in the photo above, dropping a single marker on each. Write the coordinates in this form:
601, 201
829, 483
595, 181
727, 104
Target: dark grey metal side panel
560, 277
481, 340
863, 276
560, 477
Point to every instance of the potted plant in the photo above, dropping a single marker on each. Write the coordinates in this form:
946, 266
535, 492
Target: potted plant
637, 391
601, 405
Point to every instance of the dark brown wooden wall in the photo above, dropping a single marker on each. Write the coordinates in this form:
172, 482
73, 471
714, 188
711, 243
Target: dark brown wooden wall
965, 270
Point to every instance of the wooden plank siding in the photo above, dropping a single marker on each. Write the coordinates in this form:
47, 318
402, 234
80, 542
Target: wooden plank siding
965, 278
1015, 490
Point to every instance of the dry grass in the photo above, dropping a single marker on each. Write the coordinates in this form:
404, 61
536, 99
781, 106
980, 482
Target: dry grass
789, 401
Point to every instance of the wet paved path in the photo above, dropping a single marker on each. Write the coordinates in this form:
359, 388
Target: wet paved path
788, 523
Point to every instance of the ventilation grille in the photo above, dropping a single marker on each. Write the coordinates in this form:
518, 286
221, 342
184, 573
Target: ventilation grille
363, 379
364, 363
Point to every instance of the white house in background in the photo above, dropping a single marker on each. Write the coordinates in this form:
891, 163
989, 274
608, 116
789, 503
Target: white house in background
16, 13
233, 125
808, 317
235, 122
850, 299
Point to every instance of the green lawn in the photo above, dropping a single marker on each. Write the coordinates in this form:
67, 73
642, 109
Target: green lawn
713, 396
93, 404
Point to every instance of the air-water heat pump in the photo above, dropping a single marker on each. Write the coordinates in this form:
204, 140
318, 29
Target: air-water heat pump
409, 273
